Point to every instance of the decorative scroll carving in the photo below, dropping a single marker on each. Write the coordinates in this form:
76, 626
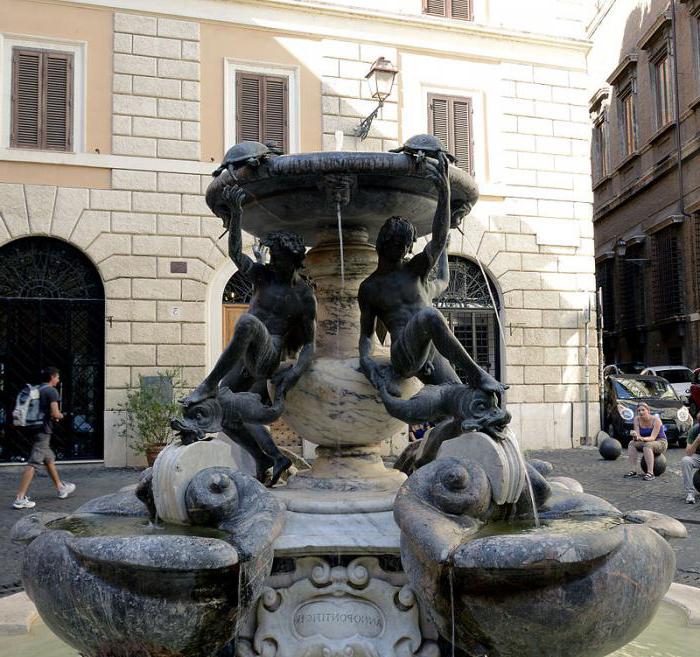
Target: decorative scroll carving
338, 611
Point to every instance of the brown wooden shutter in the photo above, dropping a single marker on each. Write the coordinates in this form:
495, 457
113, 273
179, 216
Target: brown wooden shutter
461, 126
450, 119
261, 109
248, 106
459, 9
42, 100
275, 112
26, 99
435, 7
438, 112
58, 101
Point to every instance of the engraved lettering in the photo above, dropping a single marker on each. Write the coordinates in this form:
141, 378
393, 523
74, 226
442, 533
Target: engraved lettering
338, 619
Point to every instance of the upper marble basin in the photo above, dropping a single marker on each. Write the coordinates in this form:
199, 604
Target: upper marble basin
300, 192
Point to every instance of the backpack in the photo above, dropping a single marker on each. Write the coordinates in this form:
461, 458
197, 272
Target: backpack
27, 412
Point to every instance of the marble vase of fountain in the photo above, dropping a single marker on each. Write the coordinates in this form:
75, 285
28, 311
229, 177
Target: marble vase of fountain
349, 558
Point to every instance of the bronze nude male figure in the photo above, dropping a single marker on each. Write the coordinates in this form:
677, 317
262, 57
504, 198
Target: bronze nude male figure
280, 323
399, 293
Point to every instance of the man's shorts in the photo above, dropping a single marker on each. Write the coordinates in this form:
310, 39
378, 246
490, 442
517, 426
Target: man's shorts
41, 451
657, 446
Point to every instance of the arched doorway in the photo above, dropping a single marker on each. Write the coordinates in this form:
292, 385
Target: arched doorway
468, 306
52, 312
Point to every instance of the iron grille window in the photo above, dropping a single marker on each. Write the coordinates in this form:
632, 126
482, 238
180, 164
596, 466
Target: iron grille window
450, 119
262, 109
459, 9
668, 273
239, 289
605, 279
470, 314
632, 306
42, 99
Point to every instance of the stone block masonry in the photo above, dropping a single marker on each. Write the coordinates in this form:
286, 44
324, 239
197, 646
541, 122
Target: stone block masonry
156, 87
346, 99
131, 233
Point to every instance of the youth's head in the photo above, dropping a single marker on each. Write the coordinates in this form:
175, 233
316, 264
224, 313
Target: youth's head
285, 248
50, 375
396, 238
643, 410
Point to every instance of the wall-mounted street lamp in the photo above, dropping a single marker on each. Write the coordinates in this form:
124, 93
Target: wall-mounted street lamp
620, 248
381, 81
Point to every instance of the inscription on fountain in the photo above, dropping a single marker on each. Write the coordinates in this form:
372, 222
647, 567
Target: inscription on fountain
338, 620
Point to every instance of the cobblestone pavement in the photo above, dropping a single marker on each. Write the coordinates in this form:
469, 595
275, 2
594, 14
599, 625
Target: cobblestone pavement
91, 481
663, 494
600, 477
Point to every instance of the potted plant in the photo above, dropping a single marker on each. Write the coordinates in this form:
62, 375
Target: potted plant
148, 410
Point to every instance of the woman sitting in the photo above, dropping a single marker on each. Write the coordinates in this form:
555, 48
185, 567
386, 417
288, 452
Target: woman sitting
648, 437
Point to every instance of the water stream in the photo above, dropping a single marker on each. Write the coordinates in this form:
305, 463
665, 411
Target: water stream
450, 576
339, 215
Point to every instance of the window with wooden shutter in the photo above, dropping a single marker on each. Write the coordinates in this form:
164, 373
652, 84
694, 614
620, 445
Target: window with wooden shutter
450, 119
42, 99
459, 9
262, 109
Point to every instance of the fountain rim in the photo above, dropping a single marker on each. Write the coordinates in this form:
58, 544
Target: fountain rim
283, 190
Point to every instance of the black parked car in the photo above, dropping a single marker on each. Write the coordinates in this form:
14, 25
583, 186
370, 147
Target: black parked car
624, 391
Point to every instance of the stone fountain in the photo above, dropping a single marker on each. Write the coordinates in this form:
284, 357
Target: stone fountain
348, 558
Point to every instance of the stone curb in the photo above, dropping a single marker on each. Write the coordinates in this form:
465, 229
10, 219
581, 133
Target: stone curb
686, 598
17, 613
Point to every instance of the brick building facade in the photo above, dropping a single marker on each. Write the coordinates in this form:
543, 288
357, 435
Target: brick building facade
645, 213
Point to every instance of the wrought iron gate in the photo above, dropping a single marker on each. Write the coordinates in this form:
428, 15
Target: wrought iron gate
468, 308
52, 313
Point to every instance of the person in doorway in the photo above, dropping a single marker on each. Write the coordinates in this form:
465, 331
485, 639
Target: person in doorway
648, 437
42, 454
691, 461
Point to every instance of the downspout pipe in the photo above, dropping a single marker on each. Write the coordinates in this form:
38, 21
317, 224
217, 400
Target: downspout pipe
677, 112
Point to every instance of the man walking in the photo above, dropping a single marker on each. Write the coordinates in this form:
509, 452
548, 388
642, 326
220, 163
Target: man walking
41, 450
691, 461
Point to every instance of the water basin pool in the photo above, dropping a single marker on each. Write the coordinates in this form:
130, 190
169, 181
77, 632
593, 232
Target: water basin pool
669, 635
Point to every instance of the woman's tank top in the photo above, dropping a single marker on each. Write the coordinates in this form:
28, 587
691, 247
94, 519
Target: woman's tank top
645, 432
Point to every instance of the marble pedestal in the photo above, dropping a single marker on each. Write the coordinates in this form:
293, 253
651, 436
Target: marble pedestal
333, 405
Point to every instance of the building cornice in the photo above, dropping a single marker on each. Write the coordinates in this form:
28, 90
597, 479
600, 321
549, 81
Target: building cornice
106, 161
415, 31
629, 61
656, 31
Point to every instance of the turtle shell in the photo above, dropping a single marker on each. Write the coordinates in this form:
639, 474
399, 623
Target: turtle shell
244, 151
429, 144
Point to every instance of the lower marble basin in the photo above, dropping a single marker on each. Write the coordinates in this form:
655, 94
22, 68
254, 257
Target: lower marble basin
111, 584
570, 588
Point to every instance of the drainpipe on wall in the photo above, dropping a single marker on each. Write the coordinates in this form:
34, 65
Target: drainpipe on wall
677, 112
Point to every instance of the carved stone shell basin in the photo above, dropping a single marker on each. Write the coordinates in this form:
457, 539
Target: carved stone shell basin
298, 192
577, 592
164, 595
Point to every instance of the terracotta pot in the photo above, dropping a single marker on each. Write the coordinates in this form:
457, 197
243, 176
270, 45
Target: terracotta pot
152, 452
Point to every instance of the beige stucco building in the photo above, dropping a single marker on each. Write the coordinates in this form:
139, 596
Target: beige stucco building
153, 108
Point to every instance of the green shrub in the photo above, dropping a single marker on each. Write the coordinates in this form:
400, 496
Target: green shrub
148, 409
